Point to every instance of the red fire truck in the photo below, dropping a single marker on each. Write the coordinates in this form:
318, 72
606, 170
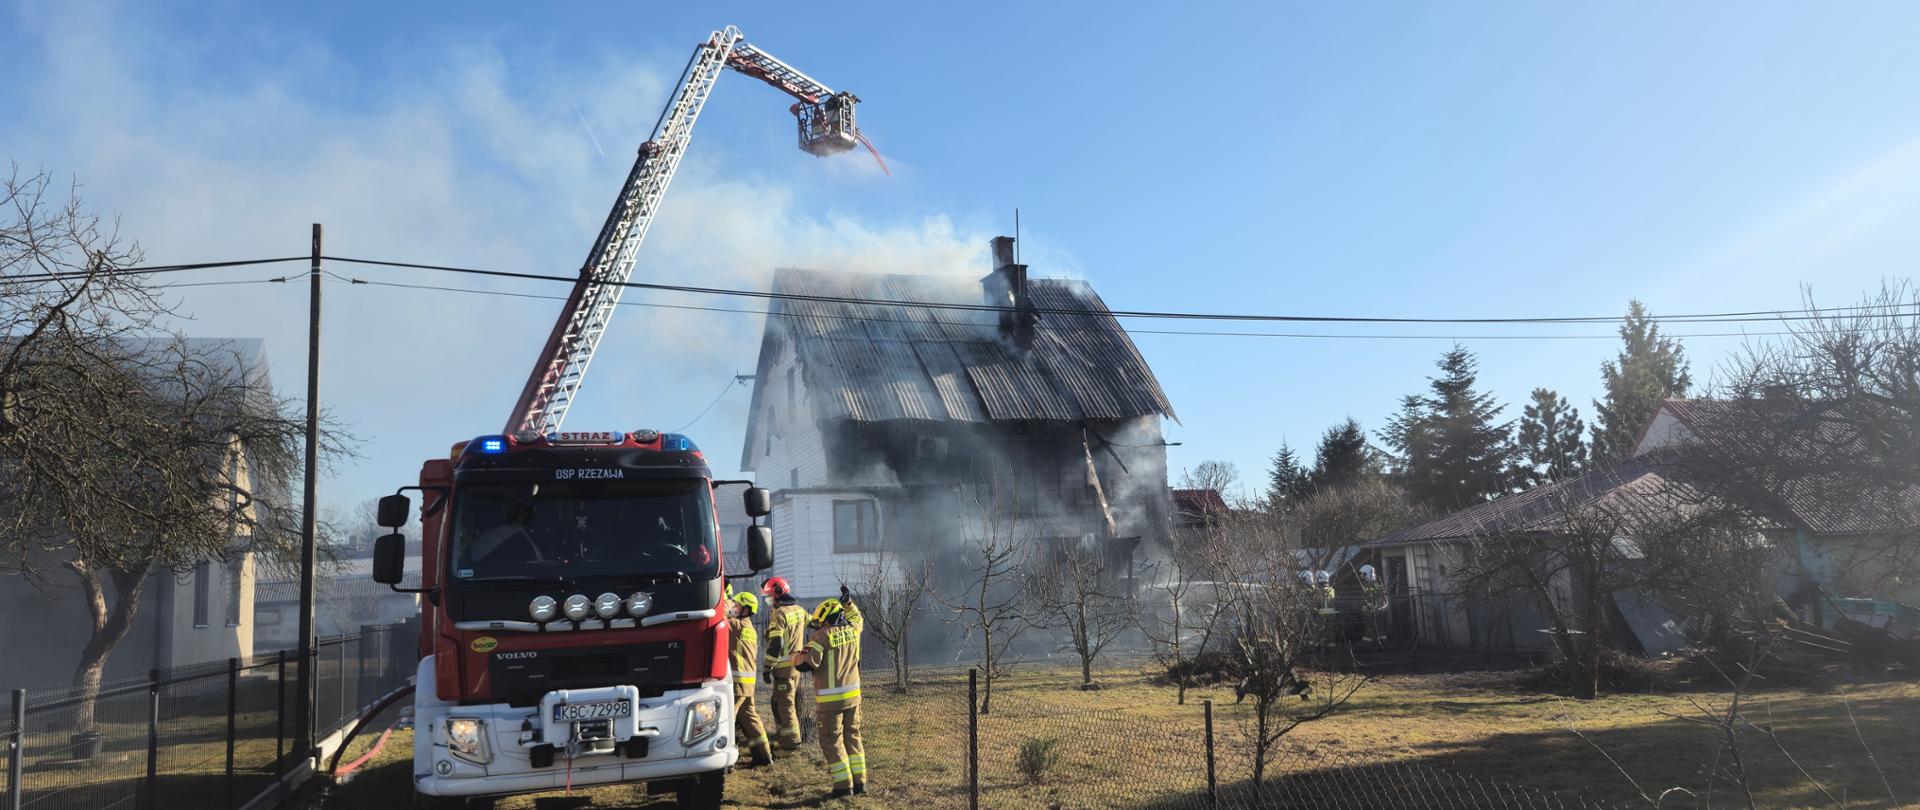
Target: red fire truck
574, 631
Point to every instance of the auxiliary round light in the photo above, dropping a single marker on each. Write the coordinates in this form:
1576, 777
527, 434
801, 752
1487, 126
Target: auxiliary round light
544, 608
577, 607
639, 603
608, 605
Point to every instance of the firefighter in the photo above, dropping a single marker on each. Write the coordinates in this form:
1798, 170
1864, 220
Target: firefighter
832, 654
786, 631
745, 647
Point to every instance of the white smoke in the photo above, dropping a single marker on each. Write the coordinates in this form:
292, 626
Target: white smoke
480, 163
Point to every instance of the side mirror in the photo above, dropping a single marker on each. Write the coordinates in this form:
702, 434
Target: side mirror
390, 555
759, 547
759, 502
394, 511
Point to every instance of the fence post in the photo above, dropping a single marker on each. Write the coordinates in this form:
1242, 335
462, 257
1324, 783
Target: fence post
153, 739
360, 673
233, 709
973, 739
340, 682
17, 750
1213, 787
280, 719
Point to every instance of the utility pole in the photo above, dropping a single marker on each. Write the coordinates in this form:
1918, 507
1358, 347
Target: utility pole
303, 710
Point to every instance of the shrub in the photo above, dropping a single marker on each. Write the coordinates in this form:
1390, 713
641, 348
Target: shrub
1037, 756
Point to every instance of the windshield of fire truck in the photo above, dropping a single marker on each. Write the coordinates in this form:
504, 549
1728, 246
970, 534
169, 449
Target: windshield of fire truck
586, 528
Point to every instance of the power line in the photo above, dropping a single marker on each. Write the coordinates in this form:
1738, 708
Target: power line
1047, 327
716, 400
1720, 317
145, 270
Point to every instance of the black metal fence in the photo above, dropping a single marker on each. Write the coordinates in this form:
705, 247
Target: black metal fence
204, 736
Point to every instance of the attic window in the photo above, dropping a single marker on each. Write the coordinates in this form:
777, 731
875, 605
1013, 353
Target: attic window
793, 392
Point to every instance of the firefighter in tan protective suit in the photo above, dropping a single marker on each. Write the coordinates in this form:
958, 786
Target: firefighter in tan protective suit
786, 631
832, 654
744, 648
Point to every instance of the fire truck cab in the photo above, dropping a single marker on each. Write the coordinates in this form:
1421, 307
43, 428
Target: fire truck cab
573, 621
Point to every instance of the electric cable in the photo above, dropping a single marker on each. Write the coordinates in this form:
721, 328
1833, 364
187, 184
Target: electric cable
1050, 328
147, 270
1721, 317
716, 401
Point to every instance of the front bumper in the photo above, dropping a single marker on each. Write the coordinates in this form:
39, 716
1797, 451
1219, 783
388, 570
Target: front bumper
512, 735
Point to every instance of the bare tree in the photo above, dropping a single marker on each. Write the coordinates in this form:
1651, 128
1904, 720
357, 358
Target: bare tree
1184, 625
121, 455
1220, 476
988, 604
1074, 591
1279, 632
1826, 424
892, 593
1333, 519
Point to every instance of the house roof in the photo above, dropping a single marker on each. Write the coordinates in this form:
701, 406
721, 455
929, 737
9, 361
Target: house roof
1822, 509
1199, 502
1540, 509
882, 357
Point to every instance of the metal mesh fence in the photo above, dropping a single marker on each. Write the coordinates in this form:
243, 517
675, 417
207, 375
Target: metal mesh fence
202, 736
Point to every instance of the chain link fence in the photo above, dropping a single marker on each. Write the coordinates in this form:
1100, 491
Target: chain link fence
203, 736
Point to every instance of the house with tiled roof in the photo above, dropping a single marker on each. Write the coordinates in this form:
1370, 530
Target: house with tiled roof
891, 412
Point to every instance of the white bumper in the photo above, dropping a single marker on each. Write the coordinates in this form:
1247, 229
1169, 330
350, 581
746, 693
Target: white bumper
512, 733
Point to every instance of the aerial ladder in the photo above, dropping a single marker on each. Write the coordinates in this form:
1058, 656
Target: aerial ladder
827, 127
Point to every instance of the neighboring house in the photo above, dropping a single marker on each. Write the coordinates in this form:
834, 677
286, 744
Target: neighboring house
879, 424
345, 599
1417, 566
197, 616
1196, 509
1827, 544
1835, 544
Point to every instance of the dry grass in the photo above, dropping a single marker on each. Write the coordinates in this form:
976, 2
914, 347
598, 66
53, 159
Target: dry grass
1129, 745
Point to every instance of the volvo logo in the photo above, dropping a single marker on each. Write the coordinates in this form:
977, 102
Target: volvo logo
510, 656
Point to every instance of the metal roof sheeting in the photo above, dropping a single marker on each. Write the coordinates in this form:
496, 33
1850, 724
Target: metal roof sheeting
872, 362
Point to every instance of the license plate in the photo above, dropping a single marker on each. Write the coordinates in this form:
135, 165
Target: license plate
593, 710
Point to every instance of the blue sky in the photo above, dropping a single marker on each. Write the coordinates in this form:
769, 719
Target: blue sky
1390, 159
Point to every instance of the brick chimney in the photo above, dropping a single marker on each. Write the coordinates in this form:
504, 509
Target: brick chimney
1006, 287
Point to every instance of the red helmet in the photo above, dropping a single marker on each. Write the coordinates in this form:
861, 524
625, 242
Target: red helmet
776, 587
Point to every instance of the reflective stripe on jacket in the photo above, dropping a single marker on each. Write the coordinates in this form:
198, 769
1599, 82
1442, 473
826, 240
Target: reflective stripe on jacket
743, 649
786, 628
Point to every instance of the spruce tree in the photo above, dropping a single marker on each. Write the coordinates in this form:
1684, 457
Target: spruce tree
1343, 458
1551, 442
1451, 451
1649, 368
1287, 481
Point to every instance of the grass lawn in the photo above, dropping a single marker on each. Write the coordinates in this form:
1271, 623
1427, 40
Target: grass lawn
1129, 745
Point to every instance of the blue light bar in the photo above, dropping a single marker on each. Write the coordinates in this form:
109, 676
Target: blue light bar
492, 444
677, 442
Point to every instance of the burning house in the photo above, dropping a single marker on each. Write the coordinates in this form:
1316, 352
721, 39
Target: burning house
883, 424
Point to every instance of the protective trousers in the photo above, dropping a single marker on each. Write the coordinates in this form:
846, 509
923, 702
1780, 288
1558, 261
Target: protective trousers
752, 733
786, 719
839, 729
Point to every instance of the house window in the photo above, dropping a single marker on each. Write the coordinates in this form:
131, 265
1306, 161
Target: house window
793, 392
793, 478
234, 567
856, 527
200, 594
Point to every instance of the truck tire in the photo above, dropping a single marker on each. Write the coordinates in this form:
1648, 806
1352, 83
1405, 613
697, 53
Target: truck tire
702, 792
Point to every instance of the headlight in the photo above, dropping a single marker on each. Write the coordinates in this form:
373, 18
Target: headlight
639, 603
577, 607
467, 738
543, 608
608, 605
703, 719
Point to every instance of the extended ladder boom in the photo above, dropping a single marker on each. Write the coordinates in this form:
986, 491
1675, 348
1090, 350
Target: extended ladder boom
827, 127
